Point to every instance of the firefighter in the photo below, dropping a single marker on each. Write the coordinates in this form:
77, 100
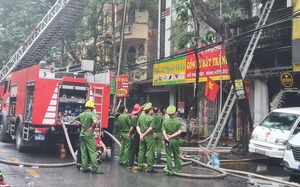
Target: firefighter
171, 131
88, 120
157, 133
124, 123
107, 140
134, 136
100, 146
116, 128
145, 125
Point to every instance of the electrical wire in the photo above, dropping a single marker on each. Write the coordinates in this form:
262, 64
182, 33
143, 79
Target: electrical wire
285, 18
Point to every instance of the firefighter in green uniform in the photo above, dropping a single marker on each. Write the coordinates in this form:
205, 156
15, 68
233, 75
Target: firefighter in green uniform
124, 124
157, 133
171, 131
144, 127
89, 121
116, 128
135, 138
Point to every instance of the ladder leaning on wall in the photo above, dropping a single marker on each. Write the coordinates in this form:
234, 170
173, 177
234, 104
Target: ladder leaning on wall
213, 141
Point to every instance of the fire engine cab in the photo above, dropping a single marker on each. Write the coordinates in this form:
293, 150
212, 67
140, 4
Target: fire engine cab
35, 102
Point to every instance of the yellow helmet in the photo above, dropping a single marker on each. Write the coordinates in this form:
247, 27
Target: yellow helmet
89, 104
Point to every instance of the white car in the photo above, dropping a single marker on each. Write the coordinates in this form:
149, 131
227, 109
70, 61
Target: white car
272, 134
291, 159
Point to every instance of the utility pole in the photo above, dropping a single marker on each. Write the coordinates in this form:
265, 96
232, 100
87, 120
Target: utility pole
120, 53
220, 61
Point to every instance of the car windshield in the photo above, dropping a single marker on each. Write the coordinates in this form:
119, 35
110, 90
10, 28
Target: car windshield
281, 121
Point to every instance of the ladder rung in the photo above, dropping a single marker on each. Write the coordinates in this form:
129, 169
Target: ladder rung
243, 68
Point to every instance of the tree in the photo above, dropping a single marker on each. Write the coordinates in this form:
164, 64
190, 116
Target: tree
18, 19
205, 14
81, 40
187, 16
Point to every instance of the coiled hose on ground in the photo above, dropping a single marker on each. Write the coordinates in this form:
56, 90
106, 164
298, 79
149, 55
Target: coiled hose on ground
223, 172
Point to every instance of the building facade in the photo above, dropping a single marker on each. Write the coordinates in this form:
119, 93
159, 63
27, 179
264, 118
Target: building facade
271, 81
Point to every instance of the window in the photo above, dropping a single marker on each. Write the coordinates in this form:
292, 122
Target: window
281, 121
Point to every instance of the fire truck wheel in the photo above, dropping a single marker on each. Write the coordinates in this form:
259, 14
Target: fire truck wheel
4, 133
19, 139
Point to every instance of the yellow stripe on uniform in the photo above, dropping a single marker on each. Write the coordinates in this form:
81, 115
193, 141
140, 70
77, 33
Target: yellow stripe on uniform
33, 173
15, 160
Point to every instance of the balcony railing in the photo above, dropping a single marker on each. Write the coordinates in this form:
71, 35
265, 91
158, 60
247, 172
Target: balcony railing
127, 30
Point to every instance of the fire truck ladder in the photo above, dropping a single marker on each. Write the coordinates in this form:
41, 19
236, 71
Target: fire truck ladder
47, 32
98, 101
243, 68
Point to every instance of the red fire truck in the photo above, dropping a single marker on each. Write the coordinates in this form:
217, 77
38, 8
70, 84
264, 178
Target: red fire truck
35, 101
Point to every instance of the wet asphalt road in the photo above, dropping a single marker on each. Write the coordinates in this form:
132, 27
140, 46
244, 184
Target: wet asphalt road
115, 175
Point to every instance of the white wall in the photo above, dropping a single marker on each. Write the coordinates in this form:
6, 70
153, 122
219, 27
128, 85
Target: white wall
168, 29
260, 101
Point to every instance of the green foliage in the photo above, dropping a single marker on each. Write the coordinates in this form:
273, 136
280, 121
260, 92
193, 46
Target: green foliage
185, 39
231, 15
210, 36
213, 4
17, 19
182, 38
180, 35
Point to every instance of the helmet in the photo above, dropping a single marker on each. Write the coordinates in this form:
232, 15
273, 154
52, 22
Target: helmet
147, 106
171, 110
136, 109
89, 104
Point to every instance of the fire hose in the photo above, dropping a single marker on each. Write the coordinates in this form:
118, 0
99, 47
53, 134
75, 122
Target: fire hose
223, 172
68, 141
26, 164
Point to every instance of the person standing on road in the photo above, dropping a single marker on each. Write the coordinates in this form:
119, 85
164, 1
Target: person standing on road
124, 124
157, 133
89, 121
145, 125
134, 136
171, 131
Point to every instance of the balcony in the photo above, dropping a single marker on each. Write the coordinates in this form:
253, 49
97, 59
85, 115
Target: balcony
133, 32
136, 28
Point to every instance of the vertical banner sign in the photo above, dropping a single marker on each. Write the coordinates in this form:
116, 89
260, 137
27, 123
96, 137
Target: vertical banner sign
112, 86
212, 64
239, 87
123, 86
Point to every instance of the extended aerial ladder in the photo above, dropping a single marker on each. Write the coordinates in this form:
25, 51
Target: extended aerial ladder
47, 32
214, 139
